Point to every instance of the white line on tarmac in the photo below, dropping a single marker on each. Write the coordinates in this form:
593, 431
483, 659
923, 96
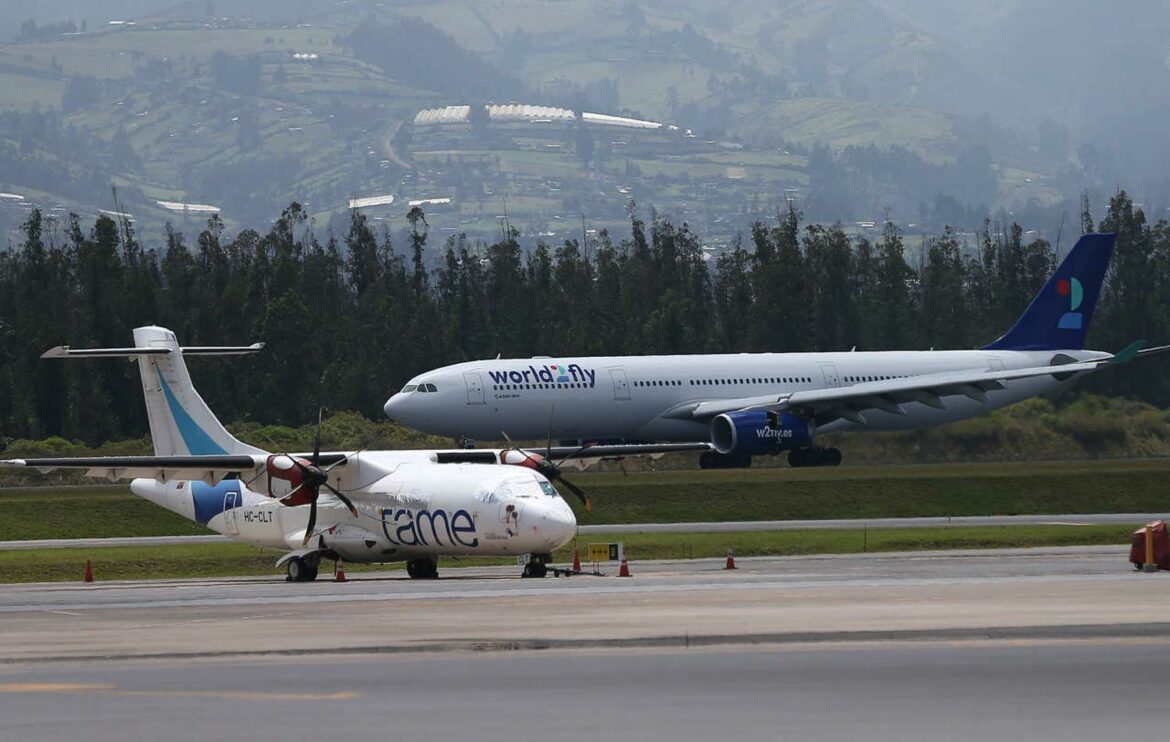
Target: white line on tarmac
726, 527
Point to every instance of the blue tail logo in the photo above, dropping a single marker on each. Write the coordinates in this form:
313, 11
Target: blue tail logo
1072, 319
1058, 317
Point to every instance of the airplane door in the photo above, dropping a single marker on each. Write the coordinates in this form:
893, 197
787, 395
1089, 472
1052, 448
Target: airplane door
621, 385
474, 387
231, 502
832, 380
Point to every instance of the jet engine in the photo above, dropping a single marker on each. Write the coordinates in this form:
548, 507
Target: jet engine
759, 432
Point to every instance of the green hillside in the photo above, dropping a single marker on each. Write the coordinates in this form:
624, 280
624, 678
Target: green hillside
248, 107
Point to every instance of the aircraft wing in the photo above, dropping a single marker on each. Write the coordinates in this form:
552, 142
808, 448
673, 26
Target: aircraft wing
850, 402
210, 469
621, 451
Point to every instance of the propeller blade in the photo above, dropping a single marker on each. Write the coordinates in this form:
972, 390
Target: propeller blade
343, 498
548, 446
571, 454
580, 493
513, 447
312, 521
317, 440
345, 460
290, 495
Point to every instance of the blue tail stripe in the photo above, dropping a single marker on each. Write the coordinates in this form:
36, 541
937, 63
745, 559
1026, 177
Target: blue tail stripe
199, 443
1058, 317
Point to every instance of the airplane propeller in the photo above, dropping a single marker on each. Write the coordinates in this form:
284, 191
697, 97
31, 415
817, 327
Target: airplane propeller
313, 478
550, 470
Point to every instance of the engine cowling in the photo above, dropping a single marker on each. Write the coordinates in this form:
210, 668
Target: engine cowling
752, 432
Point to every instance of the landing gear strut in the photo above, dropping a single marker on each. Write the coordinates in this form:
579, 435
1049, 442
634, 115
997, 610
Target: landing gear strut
815, 456
423, 569
302, 569
716, 460
537, 566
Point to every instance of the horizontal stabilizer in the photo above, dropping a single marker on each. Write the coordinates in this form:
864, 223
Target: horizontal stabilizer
64, 351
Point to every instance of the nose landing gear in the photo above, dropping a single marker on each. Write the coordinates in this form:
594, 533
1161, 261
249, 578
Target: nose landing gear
537, 565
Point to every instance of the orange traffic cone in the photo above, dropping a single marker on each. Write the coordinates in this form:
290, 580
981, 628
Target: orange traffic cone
576, 560
88, 571
339, 572
730, 559
625, 570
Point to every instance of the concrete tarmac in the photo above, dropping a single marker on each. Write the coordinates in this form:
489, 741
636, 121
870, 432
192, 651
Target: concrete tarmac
1015, 644
1007, 593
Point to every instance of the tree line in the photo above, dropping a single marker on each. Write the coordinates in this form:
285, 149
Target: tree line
348, 318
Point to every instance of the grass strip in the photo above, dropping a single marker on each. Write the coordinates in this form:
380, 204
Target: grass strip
224, 560
688, 496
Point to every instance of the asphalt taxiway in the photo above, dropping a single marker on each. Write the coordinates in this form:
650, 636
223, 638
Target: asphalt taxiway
1023, 592
1012, 644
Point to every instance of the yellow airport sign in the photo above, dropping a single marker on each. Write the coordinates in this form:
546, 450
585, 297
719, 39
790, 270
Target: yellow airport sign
606, 552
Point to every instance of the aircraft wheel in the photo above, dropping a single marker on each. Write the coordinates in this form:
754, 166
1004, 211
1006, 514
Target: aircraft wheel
300, 571
798, 457
705, 460
535, 569
422, 569
831, 457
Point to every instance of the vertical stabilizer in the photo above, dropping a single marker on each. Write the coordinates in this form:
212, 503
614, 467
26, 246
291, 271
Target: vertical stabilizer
1058, 317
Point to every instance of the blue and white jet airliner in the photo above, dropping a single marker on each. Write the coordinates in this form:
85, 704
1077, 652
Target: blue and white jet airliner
766, 403
356, 506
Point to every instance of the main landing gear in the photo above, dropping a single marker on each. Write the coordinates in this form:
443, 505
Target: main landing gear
425, 568
716, 460
302, 569
537, 565
815, 456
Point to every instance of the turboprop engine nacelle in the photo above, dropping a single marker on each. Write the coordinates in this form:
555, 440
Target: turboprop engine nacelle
759, 432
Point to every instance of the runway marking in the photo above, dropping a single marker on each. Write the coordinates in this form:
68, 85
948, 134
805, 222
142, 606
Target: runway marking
52, 687
111, 690
65, 613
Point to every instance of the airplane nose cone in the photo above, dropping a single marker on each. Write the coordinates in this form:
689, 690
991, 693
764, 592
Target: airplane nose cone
393, 407
558, 525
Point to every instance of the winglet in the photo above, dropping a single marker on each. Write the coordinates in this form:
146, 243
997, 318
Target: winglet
1128, 353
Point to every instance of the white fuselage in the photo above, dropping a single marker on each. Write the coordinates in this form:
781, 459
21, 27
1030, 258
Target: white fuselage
419, 509
633, 397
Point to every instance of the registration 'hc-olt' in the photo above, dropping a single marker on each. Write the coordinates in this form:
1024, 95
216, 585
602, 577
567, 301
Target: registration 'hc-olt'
551, 373
429, 528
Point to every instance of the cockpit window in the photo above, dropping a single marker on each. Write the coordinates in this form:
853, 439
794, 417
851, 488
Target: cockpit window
427, 388
549, 489
409, 388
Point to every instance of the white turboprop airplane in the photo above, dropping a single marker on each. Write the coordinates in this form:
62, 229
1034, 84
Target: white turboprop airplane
765, 403
362, 507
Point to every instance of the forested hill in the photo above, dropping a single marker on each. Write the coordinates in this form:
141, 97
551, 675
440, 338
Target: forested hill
347, 318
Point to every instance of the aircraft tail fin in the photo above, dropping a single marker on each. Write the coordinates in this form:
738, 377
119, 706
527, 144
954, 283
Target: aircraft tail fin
181, 423
1058, 317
